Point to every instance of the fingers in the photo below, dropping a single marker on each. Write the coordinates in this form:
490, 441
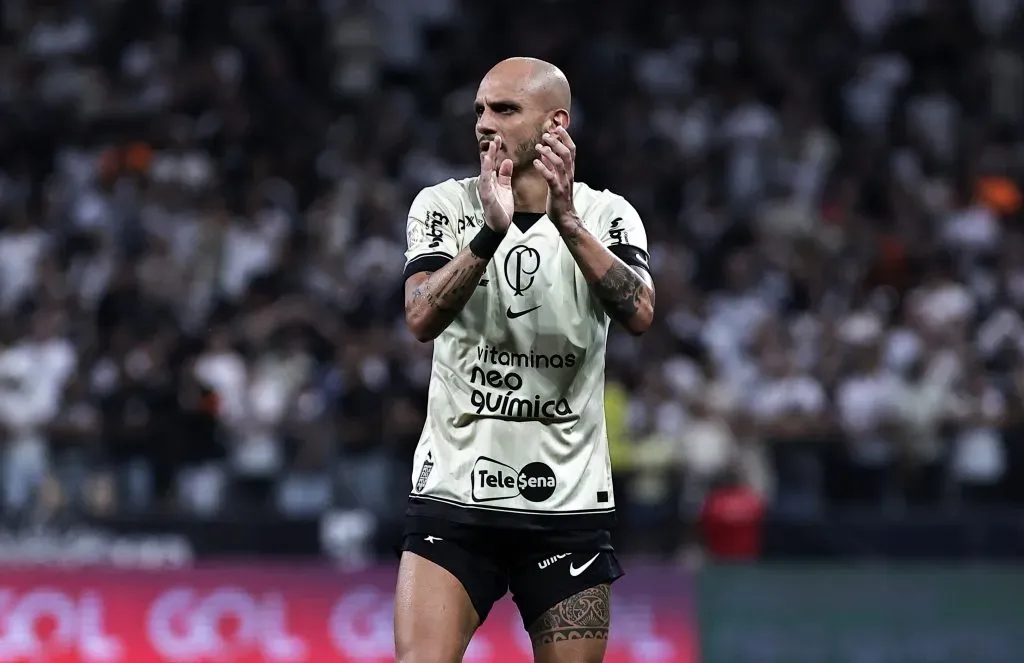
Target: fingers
560, 144
548, 172
556, 159
489, 156
551, 156
556, 153
566, 140
505, 173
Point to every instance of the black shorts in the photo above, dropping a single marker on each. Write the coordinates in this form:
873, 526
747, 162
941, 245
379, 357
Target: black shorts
541, 569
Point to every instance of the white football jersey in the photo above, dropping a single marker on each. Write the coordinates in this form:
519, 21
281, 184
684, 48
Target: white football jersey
515, 431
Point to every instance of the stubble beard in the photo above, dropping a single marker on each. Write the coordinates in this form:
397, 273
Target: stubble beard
525, 153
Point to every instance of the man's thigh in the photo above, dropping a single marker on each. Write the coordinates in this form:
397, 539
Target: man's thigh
435, 617
565, 603
483, 579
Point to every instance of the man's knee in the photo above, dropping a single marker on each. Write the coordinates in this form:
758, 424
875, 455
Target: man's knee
444, 641
425, 652
571, 651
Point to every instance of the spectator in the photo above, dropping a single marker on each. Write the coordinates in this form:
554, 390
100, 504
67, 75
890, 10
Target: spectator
921, 405
22, 245
865, 403
27, 406
707, 447
74, 450
731, 520
979, 459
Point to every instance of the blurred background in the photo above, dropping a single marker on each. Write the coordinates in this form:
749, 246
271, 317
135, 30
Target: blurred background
203, 354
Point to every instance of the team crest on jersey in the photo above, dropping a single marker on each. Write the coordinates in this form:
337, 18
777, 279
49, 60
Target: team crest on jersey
493, 481
521, 264
428, 465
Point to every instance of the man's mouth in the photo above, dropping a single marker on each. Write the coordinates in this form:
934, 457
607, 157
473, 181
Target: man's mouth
485, 142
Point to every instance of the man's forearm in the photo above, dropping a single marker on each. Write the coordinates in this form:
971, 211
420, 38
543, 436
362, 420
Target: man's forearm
626, 296
433, 300
437, 299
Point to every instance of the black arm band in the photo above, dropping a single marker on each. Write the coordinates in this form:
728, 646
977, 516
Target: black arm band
486, 242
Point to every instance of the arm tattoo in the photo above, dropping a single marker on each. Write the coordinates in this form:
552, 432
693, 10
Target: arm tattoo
621, 291
573, 234
449, 290
445, 292
585, 616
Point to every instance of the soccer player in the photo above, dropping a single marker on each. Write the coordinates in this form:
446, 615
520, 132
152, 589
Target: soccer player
515, 275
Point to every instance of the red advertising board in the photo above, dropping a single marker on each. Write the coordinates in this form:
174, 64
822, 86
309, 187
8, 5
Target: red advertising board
276, 614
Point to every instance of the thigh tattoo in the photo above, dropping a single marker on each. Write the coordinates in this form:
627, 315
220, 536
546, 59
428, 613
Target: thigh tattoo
584, 616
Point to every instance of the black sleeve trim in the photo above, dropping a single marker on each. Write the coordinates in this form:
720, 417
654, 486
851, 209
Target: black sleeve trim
632, 256
428, 262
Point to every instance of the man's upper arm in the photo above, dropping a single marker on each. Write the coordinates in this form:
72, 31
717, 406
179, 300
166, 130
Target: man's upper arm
431, 241
623, 233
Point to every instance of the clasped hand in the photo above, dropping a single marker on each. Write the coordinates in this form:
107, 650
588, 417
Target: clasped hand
557, 164
496, 188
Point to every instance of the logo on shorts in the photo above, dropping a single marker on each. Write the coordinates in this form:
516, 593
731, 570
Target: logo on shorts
578, 570
545, 563
493, 481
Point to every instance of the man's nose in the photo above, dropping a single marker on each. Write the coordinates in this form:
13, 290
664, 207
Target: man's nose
485, 125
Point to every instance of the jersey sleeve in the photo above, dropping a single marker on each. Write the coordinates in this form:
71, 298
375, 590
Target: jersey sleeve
429, 234
624, 234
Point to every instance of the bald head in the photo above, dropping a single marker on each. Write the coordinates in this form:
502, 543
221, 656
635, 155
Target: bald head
542, 82
518, 100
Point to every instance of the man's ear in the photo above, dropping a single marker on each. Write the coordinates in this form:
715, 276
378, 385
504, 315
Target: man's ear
560, 119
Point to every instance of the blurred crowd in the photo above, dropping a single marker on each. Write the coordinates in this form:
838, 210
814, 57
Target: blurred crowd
202, 213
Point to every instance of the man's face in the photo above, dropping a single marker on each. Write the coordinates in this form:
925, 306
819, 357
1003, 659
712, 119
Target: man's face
506, 110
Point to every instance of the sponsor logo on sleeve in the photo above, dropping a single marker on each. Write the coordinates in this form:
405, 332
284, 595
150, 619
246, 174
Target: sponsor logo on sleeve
436, 221
465, 223
617, 232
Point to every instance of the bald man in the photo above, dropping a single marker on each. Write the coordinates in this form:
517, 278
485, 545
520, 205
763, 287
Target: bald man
516, 275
